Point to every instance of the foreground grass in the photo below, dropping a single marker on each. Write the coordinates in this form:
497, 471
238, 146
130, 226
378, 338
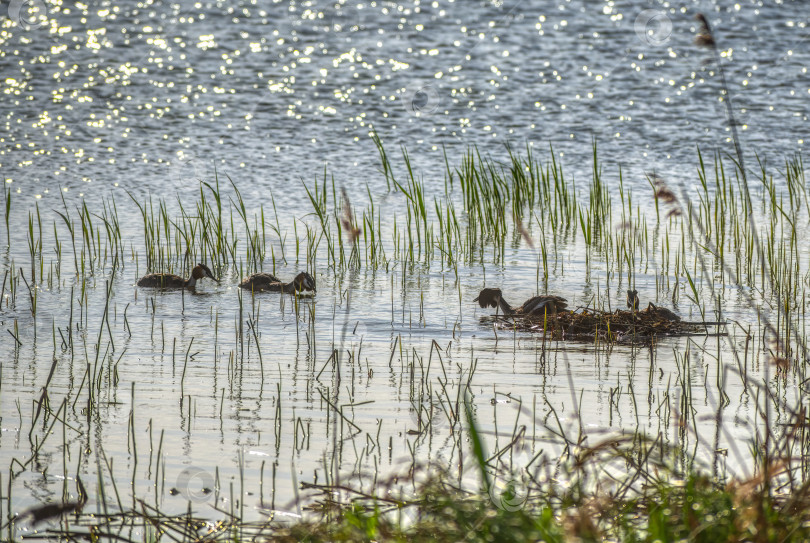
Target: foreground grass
696, 510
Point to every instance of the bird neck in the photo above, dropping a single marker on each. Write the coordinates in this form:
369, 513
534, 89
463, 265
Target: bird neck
191, 281
505, 307
289, 288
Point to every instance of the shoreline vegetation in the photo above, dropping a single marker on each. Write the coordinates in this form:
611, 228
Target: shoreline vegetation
568, 483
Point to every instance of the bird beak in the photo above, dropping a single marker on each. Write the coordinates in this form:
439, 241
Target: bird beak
476, 298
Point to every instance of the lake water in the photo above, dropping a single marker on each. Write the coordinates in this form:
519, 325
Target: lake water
118, 102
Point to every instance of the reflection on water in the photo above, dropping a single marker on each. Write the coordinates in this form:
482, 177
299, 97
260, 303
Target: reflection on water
148, 94
194, 394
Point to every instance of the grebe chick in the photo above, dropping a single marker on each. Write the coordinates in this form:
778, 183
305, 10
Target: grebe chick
259, 282
169, 280
632, 300
536, 305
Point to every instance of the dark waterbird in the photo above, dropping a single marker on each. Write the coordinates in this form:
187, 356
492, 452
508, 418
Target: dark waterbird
665, 314
534, 306
632, 300
259, 282
169, 280
661, 313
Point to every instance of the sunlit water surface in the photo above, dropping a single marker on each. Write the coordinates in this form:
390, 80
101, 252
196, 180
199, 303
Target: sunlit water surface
103, 99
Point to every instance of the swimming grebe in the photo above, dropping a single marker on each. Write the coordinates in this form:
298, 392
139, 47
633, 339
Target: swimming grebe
536, 305
168, 280
259, 282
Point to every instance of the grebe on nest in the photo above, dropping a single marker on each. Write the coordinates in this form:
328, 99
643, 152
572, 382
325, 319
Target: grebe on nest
536, 305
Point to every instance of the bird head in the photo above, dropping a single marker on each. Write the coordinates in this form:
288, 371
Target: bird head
488, 297
201, 270
304, 281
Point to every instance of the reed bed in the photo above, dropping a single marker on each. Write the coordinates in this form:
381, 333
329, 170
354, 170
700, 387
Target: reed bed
487, 208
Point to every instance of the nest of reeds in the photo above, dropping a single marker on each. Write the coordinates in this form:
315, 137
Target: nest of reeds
621, 326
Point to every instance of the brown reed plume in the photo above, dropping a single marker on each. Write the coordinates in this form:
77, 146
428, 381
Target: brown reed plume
523, 232
347, 218
705, 38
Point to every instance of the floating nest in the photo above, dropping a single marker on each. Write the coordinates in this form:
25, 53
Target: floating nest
618, 327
